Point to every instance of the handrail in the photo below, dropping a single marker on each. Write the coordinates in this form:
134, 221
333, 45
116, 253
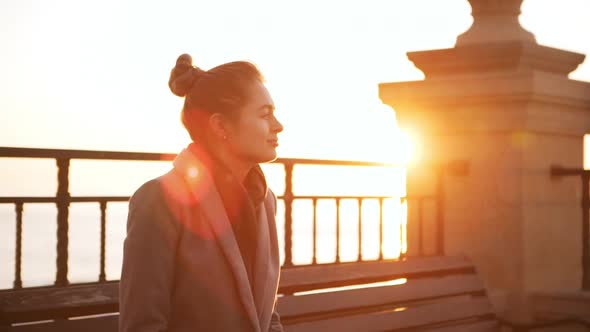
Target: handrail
13, 152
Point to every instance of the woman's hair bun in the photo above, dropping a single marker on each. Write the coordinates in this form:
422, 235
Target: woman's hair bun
183, 75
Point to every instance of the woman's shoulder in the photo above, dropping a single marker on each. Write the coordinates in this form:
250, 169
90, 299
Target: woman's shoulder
150, 189
169, 188
147, 195
160, 198
151, 215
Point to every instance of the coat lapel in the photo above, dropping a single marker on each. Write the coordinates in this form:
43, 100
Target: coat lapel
267, 270
203, 189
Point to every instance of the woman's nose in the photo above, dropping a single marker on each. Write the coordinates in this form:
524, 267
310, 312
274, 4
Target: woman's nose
278, 126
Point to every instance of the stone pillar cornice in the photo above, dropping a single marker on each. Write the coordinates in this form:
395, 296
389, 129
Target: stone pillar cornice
515, 56
535, 102
494, 89
493, 21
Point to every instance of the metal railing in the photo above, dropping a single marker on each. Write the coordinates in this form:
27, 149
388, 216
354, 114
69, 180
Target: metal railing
63, 199
584, 175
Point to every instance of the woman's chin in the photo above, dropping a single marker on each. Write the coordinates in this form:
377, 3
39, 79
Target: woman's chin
269, 157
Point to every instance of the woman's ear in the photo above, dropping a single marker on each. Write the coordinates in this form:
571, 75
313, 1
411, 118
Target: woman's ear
218, 126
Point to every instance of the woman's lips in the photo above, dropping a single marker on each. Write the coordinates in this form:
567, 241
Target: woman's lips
274, 142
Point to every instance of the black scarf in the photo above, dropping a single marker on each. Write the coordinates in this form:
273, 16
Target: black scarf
241, 201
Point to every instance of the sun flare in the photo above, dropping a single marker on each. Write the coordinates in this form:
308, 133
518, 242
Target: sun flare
409, 147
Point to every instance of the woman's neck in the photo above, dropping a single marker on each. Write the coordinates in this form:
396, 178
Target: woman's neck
238, 168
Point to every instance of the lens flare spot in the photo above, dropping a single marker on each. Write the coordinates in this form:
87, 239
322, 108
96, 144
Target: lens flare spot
193, 172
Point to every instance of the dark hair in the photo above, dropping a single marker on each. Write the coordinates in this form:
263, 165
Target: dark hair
223, 89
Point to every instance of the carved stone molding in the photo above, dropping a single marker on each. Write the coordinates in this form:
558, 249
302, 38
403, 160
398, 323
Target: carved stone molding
495, 21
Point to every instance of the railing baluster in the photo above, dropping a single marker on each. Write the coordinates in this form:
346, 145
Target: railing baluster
18, 283
63, 202
402, 231
381, 228
288, 199
585, 230
360, 230
337, 230
315, 207
103, 220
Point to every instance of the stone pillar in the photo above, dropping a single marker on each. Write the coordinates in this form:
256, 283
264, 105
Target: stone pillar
505, 104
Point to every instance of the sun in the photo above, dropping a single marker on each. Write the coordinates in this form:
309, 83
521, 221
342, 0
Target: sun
408, 147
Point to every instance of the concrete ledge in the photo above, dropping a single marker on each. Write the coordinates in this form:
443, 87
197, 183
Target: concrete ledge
561, 304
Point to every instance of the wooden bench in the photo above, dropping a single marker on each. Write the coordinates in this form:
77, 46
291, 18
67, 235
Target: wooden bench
440, 294
412, 294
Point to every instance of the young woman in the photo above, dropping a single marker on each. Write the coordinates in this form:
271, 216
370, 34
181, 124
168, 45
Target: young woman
201, 250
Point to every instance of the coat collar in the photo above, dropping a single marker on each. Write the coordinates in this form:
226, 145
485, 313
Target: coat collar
202, 187
254, 183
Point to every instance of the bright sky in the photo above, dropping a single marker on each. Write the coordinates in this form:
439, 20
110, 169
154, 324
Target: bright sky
93, 74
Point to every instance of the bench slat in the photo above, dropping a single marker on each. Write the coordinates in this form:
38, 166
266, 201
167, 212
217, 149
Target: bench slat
59, 302
298, 279
94, 324
422, 316
485, 326
415, 290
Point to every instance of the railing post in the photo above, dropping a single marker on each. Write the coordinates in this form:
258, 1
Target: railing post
63, 203
288, 199
314, 259
337, 230
585, 230
103, 209
18, 283
360, 230
381, 228
403, 236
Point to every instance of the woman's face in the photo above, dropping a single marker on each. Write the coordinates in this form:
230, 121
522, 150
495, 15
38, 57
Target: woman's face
252, 136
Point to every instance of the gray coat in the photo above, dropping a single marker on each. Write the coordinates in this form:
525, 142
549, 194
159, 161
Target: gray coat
182, 267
